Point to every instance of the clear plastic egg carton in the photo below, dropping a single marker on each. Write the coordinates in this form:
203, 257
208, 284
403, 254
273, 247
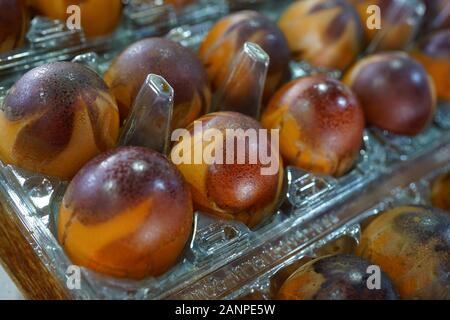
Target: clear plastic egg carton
222, 255
51, 40
224, 258
409, 184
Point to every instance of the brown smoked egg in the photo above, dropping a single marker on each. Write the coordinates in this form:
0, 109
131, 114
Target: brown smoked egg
337, 277
13, 24
434, 53
395, 91
56, 118
398, 23
127, 213
226, 39
412, 245
166, 58
325, 33
440, 192
321, 124
231, 188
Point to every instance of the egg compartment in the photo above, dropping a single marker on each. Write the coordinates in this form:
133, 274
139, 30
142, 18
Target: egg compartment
51, 40
409, 185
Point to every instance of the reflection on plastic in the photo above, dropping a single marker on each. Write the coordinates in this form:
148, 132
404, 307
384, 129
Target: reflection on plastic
151, 116
244, 86
89, 59
46, 33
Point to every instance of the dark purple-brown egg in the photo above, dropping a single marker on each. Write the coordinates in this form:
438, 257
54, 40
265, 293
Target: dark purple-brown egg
395, 91
337, 277
127, 213
56, 118
166, 58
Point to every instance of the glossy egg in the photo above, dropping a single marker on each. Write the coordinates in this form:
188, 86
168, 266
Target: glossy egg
412, 245
326, 33
395, 92
56, 118
230, 189
434, 53
98, 17
127, 213
337, 277
226, 39
321, 124
175, 63
440, 192
13, 24
398, 25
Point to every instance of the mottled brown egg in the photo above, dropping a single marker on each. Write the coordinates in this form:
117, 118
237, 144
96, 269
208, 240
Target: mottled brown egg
98, 17
412, 245
234, 187
440, 192
398, 24
326, 33
395, 92
434, 53
127, 213
175, 63
321, 124
437, 15
56, 118
227, 38
337, 277
13, 24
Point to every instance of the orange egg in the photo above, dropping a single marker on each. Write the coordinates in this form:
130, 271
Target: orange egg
98, 17
56, 118
434, 53
227, 38
321, 124
325, 33
412, 245
395, 91
440, 192
230, 189
175, 63
337, 277
13, 24
127, 213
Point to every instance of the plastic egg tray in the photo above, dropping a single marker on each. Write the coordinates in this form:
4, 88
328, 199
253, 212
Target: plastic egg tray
225, 259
